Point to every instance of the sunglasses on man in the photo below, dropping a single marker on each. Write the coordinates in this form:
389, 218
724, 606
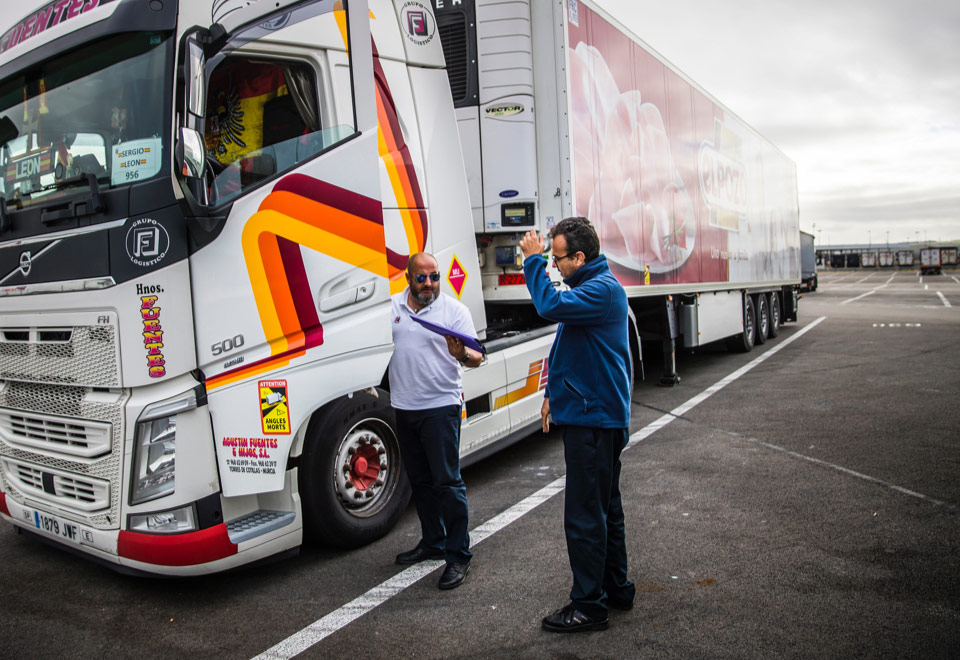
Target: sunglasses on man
421, 278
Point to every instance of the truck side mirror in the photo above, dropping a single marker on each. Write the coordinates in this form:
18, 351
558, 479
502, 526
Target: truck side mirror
194, 65
190, 156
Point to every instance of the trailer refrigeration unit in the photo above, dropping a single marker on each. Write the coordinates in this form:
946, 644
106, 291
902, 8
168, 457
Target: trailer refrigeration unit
207, 204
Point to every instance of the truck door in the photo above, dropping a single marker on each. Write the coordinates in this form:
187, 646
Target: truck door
290, 286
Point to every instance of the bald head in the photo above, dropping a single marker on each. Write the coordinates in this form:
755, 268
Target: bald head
422, 265
421, 259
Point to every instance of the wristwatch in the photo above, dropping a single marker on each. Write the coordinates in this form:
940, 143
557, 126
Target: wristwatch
465, 358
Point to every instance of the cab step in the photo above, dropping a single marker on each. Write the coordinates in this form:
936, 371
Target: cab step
257, 523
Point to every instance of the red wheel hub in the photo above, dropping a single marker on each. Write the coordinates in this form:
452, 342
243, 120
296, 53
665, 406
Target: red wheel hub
364, 467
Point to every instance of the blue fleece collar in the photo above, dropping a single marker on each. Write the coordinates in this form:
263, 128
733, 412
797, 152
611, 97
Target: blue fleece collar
588, 270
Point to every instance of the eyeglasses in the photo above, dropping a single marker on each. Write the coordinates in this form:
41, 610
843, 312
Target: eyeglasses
421, 278
562, 257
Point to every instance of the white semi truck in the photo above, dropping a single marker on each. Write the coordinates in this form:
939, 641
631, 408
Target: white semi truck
207, 204
930, 262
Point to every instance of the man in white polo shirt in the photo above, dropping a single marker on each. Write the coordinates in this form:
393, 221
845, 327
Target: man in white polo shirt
426, 391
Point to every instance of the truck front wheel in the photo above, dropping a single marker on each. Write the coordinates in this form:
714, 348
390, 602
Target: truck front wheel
352, 486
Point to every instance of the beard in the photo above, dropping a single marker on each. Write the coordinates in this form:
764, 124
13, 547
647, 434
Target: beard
425, 297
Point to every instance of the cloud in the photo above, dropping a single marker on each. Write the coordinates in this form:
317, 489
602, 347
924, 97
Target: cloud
863, 96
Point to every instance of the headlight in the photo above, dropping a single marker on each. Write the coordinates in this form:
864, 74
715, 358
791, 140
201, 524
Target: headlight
154, 451
176, 521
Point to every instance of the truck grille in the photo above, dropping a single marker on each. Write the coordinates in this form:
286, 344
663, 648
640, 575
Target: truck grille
48, 458
82, 494
86, 355
75, 437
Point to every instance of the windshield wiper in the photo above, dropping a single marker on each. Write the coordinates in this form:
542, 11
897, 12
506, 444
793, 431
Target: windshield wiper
76, 208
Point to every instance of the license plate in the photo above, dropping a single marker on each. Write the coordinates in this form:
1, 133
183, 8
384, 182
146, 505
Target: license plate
59, 528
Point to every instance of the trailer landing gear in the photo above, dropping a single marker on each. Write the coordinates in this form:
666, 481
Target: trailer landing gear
669, 343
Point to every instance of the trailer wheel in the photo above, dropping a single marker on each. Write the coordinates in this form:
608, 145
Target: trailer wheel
763, 318
773, 304
743, 342
813, 287
352, 485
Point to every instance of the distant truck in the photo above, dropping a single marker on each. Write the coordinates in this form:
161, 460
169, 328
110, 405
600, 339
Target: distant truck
948, 256
930, 261
808, 262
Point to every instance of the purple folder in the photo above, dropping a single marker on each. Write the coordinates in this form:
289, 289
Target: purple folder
468, 341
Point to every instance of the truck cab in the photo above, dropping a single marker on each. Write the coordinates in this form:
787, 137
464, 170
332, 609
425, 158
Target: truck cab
205, 209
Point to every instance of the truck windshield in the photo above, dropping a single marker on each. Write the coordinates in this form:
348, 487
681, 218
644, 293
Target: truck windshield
101, 111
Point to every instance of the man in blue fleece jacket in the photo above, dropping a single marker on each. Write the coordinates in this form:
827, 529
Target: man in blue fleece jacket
588, 394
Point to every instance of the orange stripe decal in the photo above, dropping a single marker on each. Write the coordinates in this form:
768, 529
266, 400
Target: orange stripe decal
302, 212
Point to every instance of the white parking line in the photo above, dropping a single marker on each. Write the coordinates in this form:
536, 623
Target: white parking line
858, 475
946, 303
325, 626
863, 295
864, 278
955, 279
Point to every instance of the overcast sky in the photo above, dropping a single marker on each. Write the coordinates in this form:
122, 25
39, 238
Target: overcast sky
864, 96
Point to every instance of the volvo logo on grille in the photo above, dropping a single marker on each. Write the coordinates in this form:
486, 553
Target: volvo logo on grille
26, 263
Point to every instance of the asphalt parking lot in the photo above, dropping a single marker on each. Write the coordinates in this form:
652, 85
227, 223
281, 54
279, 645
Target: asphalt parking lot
808, 507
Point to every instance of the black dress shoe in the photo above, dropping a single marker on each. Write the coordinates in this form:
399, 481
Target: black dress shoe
453, 576
570, 619
418, 555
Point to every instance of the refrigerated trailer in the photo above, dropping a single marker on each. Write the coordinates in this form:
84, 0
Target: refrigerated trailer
563, 111
930, 261
206, 206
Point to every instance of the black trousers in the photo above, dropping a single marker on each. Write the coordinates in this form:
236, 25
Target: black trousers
430, 449
593, 518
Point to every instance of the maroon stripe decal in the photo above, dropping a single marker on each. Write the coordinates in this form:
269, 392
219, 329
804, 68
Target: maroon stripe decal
390, 109
296, 273
331, 195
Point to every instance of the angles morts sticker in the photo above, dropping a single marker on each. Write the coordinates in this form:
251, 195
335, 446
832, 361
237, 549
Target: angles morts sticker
274, 413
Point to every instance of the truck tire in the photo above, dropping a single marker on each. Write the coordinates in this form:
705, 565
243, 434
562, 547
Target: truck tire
773, 304
763, 318
352, 485
743, 342
813, 287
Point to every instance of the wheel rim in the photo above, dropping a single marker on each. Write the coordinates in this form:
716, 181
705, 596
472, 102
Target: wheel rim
774, 312
750, 325
367, 468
